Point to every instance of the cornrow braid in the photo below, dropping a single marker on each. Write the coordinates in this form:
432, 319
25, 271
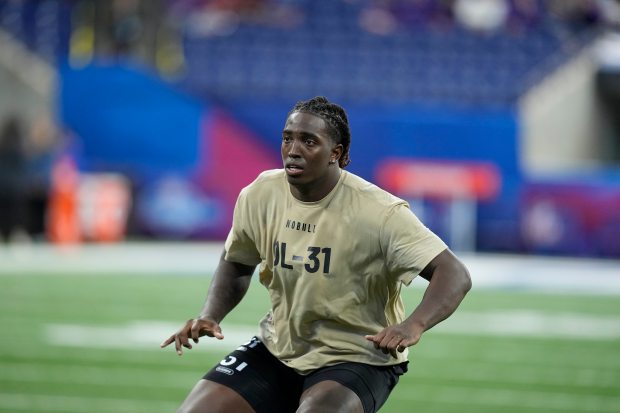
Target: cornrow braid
335, 116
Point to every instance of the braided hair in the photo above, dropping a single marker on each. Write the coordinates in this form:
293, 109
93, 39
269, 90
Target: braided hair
335, 117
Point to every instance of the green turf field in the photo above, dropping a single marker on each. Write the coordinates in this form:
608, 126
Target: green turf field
456, 370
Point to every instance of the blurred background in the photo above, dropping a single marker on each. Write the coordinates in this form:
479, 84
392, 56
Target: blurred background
499, 120
128, 127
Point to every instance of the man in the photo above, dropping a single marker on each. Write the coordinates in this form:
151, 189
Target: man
333, 251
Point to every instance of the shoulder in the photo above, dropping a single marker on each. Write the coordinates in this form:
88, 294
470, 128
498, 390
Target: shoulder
369, 194
267, 185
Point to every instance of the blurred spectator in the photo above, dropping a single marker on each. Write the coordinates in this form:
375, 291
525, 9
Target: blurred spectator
576, 14
524, 15
12, 179
42, 152
610, 12
223, 17
377, 20
127, 27
483, 16
415, 14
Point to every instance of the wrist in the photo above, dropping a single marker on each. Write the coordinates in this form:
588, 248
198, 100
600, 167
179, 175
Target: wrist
415, 324
207, 317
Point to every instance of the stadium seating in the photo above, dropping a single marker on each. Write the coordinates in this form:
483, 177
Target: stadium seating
422, 64
43, 26
416, 62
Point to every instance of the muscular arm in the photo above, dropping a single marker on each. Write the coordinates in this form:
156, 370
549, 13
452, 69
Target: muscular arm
449, 281
229, 285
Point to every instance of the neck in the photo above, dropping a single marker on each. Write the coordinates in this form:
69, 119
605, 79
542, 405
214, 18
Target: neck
316, 191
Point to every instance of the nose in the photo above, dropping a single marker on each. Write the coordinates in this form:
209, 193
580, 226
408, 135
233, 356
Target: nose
292, 149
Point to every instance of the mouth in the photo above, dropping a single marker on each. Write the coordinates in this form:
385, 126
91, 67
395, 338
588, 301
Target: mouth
293, 170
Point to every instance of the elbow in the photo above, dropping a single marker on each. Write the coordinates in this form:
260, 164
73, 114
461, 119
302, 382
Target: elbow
466, 283
461, 276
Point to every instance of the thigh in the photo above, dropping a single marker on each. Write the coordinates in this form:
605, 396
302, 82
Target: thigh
263, 381
215, 398
329, 396
371, 384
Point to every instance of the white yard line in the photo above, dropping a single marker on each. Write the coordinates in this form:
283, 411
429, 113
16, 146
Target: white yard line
542, 401
107, 375
27, 402
139, 377
543, 274
149, 334
139, 334
526, 323
107, 259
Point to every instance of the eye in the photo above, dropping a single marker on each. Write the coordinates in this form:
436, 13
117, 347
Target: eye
286, 139
309, 141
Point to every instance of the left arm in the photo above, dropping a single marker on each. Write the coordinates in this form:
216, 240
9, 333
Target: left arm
449, 281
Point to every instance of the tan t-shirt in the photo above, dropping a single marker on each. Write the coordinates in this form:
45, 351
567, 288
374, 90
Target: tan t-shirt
333, 268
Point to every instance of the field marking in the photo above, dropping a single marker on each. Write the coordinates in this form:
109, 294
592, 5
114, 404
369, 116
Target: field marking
527, 323
80, 404
143, 334
140, 377
495, 271
486, 373
134, 376
149, 334
544, 401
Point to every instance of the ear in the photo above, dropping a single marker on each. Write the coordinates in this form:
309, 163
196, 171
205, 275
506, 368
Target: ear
336, 153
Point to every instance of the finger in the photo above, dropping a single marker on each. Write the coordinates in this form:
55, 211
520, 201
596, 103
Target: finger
373, 338
177, 345
195, 331
389, 344
385, 343
383, 348
185, 341
166, 342
376, 339
217, 332
394, 345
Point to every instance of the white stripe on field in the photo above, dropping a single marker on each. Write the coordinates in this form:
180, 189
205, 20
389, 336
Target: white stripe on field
144, 334
544, 274
75, 404
541, 401
527, 323
30, 374
149, 334
101, 376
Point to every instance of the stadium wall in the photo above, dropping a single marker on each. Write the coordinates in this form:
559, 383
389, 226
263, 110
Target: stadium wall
26, 81
561, 120
178, 153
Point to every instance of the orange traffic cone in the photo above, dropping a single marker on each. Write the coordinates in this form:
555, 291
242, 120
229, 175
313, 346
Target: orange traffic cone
62, 221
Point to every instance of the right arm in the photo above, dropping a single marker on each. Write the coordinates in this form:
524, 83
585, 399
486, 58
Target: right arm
229, 285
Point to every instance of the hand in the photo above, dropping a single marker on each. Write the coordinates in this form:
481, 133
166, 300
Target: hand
396, 338
193, 328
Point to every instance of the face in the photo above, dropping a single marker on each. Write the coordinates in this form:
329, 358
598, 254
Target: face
307, 150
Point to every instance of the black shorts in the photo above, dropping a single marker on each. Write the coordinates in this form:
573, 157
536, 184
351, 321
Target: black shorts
270, 386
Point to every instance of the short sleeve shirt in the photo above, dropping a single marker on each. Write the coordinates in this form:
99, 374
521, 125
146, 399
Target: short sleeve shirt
333, 268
